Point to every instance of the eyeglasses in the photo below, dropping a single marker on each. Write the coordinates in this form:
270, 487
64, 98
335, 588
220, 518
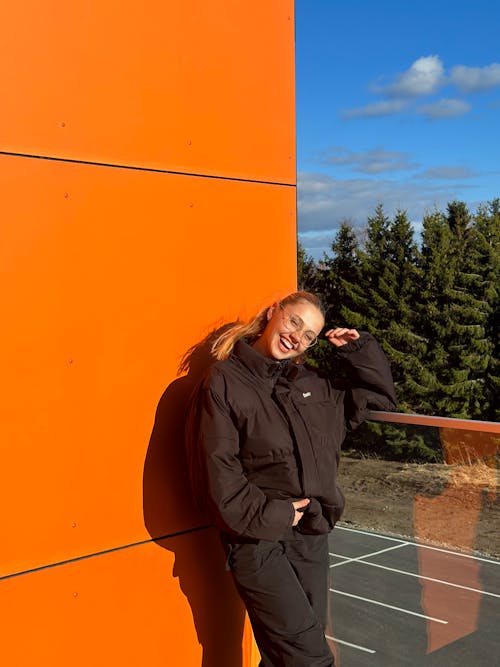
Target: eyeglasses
295, 324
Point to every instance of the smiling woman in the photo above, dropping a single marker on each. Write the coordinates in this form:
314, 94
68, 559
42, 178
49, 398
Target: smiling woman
293, 325
263, 329
263, 436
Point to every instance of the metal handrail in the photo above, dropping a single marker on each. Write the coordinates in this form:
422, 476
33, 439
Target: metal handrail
440, 422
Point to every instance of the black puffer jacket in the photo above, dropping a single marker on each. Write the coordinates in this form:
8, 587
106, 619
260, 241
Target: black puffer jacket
262, 433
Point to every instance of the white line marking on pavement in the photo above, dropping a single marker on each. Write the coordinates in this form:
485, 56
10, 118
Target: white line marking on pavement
456, 553
389, 606
418, 544
340, 641
366, 532
375, 553
419, 576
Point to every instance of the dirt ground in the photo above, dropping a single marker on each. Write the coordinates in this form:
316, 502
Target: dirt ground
453, 506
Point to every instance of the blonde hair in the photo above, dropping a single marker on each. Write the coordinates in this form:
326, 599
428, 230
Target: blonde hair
224, 344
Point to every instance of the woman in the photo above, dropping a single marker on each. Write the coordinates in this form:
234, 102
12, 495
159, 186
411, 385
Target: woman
264, 435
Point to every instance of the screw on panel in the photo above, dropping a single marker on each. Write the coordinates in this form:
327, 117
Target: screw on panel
73, 525
70, 361
66, 195
189, 142
75, 595
63, 124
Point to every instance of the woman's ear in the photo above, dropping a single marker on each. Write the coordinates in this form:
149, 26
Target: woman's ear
270, 311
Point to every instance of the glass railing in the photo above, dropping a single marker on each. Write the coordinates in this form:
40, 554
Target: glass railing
415, 561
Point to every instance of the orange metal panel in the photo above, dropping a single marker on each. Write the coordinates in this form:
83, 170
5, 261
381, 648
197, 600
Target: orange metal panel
107, 277
151, 605
198, 87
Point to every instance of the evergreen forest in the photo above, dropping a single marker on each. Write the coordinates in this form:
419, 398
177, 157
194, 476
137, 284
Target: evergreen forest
434, 307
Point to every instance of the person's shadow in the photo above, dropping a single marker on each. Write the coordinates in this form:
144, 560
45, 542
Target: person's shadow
175, 523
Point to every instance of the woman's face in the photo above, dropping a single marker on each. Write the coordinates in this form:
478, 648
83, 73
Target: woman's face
289, 329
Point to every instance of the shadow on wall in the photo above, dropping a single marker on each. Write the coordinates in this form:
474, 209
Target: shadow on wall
174, 522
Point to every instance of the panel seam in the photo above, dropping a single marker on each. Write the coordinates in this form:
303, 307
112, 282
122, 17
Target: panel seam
154, 170
102, 553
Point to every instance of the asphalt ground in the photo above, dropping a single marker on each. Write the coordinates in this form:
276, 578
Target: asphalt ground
394, 602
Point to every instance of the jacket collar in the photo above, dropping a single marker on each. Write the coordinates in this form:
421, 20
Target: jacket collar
258, 364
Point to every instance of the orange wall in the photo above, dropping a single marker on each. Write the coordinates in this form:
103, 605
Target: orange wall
166, 206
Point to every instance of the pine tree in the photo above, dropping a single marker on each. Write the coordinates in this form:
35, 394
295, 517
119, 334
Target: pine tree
487, 248
384, 299
374, 267
457, 314
356, 309
339, 273
337, 278
399, 287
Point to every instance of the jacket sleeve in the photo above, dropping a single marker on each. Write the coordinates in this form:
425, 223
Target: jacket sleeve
369, 380
234, 504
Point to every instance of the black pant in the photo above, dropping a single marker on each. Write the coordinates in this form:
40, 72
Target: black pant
284, 586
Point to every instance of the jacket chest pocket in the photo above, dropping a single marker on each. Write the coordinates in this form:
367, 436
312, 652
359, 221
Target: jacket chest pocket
321, 415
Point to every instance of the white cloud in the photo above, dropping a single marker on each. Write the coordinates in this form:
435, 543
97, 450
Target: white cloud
448, 173
423, 77
324, 201
444, 108
377, 109
374, 161
473, 79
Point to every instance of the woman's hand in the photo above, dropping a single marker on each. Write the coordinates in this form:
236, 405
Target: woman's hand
340, 336
299, 507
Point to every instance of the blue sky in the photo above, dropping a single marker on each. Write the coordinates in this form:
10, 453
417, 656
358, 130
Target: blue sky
397, 103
